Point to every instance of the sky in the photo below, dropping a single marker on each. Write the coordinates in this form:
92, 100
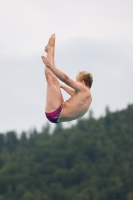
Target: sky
90, 35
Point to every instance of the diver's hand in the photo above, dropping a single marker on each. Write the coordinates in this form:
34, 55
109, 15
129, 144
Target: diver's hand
46, 61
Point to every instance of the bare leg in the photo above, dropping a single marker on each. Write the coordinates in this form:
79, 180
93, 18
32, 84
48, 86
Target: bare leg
54, 96
50, 48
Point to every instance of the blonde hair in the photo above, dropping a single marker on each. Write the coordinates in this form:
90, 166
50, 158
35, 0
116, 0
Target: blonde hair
86, 77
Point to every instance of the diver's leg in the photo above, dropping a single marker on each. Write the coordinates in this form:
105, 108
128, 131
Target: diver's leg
54, 96
50, 48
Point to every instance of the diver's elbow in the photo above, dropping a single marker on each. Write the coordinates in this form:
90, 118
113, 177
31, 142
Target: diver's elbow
65, 79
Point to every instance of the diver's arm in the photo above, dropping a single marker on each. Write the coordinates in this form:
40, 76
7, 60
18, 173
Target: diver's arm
61, 75
69, 90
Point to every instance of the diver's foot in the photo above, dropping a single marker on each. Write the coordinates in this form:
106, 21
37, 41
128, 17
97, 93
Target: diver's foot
51, 43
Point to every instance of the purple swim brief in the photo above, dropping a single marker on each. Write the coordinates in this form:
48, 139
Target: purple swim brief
54, 116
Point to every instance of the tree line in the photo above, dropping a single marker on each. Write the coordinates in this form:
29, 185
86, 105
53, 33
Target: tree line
92, 160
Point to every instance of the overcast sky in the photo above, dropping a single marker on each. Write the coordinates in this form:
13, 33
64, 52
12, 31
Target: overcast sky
96, 36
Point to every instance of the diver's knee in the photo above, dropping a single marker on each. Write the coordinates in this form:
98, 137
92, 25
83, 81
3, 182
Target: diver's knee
52, 79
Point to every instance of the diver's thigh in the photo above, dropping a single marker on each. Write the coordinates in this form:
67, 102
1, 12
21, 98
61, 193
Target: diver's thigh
54, 97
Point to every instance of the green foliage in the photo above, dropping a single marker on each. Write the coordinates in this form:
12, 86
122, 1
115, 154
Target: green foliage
92, 160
